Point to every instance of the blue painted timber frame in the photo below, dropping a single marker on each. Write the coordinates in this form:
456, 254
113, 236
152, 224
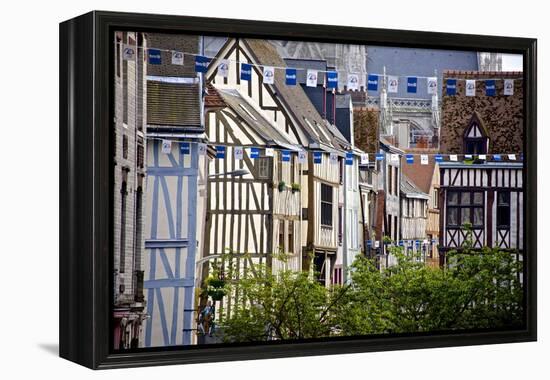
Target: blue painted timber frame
155, 247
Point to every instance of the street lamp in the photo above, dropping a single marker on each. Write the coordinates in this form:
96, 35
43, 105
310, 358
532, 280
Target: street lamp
234, 173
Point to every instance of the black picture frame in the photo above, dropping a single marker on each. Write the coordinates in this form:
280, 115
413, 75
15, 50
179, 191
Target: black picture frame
86, 186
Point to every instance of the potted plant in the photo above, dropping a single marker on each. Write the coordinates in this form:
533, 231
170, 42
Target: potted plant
281, 186
295, 187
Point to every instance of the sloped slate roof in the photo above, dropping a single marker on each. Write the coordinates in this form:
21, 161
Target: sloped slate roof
420, 175
253, 118
173, 104
294, 98
410, 190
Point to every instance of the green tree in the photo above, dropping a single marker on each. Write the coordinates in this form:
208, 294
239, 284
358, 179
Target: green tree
285, 305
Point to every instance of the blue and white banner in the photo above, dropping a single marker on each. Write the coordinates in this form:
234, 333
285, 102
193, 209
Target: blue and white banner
369, 243
438, 158
393, 84
202, 148
490, 87
201, 63
223, 68
410, 159
372, 82
317, 157
497, 157
333, 158
177, 58
269, 75
353, 82
311, 78
166, 146
512, 157
364, 158
185, 148
470, 87
453, 157
246, 71
508, 87
302, 156
431, 85
269, 152
412, 83
254, 152
332, 80
154, 56
349, 158
239, 153
128, 52
424, 159
451, 87
290, 77
285, 156
482, 157
394, 157
220, 151
379, 156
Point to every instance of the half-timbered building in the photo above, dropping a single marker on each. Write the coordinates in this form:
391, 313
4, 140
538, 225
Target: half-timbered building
486, 194
254, 189
426, 178
292, 113
175, 190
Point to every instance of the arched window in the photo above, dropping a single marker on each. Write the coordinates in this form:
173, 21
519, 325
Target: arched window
475, 138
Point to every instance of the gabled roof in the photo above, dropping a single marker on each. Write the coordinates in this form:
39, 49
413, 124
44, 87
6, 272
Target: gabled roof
420, 175
318, 132
253, 117
410, 190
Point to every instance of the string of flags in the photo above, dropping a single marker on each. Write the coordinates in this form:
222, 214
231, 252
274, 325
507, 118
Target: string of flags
330, 78
402, 243
333, 157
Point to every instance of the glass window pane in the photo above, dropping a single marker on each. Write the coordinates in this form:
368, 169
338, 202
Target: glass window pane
478, 198
464, 198
465, 216
452, 216
453, 198
478, 216
503, 198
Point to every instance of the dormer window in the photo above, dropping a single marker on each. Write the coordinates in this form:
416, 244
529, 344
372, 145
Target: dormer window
475, 138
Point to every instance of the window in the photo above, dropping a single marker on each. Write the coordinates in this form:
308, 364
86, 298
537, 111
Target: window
262, 166
326, 205
118, 49
125, 91
282, 236
390, 179
340, 226
140, 156
123, 201
124, 146
475, 140
320, 264
290, 236
395, 181
465, 207
395, 229
503, 210
436, 198
138, 229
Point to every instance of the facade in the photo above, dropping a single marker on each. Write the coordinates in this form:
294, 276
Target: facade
293, 114
175, 192
414, 218
487, 195
257, 211
426, 178
129, 192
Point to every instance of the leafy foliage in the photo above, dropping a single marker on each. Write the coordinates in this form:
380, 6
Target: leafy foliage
477, 289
